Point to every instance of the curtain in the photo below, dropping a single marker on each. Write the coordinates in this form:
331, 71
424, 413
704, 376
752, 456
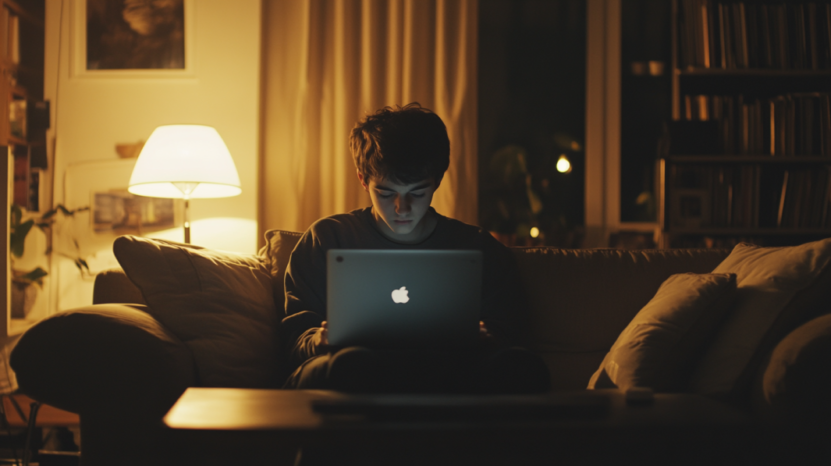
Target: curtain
328, 63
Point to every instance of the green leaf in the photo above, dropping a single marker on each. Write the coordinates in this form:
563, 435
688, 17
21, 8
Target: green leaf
35, 276
49, 214
82, 265
17, 238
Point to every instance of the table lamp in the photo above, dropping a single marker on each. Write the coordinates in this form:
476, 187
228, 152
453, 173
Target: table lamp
185, 162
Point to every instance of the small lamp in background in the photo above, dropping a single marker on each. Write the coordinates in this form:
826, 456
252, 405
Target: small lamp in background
185, 162
563, 164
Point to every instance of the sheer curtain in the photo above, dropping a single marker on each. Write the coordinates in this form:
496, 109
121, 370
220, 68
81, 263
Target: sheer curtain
326, 64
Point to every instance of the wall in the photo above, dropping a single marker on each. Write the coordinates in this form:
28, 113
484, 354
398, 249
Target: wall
91, 114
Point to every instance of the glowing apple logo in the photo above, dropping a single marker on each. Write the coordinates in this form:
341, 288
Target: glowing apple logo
399, 296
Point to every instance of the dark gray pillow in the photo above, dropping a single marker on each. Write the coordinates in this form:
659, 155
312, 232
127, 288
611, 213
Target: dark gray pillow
797, 380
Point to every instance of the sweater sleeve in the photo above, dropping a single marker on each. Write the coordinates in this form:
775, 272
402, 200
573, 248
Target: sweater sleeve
503, 298
305, 287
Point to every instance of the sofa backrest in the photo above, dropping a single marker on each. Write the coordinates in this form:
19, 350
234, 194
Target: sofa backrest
581, 299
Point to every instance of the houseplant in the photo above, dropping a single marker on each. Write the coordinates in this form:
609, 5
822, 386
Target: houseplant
23, 293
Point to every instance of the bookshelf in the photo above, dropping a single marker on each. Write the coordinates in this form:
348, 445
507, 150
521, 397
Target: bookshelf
748, 153
23, 124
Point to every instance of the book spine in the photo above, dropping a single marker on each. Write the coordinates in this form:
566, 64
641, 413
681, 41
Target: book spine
782, 198
722, 30
782, 36
825, 124
742, 17
705, 34
826, 215
813, 44
766, 37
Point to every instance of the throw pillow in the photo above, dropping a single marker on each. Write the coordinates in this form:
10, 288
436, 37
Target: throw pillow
275, 254
658, 347
779, 289
798, 377
220, 304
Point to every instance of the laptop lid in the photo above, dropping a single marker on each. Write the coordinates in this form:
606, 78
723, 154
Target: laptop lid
403, 298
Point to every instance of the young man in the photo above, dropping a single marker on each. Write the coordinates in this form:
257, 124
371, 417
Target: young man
401, 155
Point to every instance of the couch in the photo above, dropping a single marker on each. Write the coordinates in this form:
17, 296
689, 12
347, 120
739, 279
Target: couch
171, 318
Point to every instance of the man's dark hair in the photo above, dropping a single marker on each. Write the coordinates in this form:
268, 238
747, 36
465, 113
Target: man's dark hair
403, 144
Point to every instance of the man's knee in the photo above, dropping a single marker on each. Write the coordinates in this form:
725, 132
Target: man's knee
356, 369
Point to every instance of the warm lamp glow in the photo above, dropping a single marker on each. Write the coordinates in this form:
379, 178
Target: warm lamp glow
563, 165
535, 232
185, 161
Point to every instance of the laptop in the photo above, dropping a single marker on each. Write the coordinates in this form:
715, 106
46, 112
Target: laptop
403, 298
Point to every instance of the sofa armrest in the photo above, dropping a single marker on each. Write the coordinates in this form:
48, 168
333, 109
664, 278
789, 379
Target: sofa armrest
113, 286
110, 357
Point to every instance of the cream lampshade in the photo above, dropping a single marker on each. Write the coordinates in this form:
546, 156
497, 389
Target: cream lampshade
185, 162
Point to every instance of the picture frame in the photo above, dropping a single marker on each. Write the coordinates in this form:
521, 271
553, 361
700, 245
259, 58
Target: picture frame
120, 211
137, 58
690, 208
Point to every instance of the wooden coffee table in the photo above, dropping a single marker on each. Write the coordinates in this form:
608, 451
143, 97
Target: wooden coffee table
246, 426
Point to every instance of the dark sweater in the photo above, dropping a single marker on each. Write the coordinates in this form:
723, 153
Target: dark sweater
306, 274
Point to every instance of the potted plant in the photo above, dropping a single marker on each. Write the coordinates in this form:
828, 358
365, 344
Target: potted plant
23, 293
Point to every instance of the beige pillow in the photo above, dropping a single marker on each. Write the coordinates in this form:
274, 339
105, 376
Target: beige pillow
778, 290
219, 304
659, 346
275, 254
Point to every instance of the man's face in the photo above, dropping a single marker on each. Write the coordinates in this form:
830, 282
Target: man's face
399, 209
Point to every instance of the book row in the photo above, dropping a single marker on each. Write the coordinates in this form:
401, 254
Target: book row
767, 35
786, 125
750, 196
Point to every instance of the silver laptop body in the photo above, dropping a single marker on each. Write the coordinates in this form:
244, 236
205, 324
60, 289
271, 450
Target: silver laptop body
403, 298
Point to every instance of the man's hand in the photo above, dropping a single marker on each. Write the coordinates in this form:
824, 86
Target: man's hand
321, 338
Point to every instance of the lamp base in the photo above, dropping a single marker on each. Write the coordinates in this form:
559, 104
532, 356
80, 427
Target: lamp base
187, 220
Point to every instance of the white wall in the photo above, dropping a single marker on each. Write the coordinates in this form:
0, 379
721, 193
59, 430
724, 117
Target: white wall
91, 114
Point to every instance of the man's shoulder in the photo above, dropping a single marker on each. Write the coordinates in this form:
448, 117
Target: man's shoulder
470, 235
338, 223
348, 230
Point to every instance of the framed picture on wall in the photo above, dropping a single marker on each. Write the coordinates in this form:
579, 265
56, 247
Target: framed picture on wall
141, 38
118, 210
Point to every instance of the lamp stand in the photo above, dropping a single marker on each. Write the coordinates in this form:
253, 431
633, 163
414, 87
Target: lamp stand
186, 189
187, 221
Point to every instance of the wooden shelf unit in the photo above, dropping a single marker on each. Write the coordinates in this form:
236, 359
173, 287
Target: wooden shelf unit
774, 173
22, 42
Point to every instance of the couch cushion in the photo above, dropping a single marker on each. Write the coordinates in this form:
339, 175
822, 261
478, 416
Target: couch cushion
581, 299
659, 347
778, 290
797, 380
218, 303
275, 255
113, 286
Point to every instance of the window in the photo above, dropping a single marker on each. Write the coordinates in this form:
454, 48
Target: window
532, 81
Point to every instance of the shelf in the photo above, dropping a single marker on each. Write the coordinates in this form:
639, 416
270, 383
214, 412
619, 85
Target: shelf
33, 18
18, 68
757, 72
743, 159
753, 82
750, 231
